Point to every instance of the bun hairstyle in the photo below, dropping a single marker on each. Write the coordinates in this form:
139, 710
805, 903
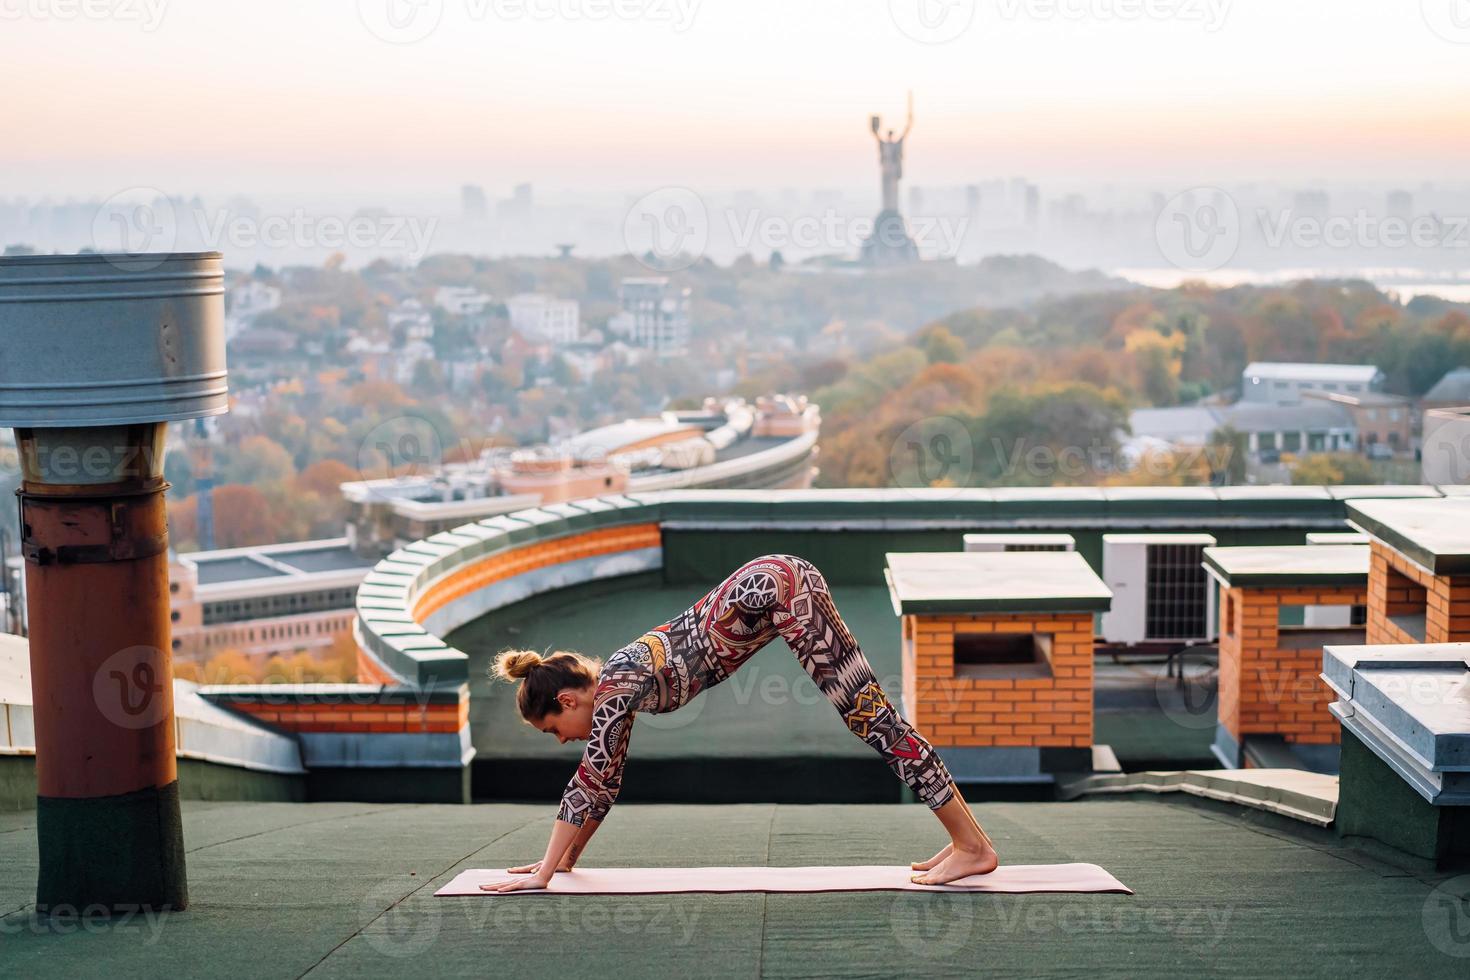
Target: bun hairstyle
542, 678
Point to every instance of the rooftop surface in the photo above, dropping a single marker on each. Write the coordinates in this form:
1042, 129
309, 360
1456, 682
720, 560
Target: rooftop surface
1017, 581
345, 890
1308, 371
1317, 564
1434, 533
213, 571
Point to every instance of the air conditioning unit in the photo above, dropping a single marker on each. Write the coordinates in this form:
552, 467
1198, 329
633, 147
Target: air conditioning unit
1161, 592
1335, 617
1020, 542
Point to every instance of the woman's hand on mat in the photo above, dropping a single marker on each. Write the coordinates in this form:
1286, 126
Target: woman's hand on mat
530, 869
536, 880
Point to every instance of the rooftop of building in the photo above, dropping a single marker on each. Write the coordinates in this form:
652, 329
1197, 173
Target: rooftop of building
1318, 564
996, 582
1365, 399
1434, 533
346, 890
1453, 387
610, 438
275, 561
1304, 371
1299, 417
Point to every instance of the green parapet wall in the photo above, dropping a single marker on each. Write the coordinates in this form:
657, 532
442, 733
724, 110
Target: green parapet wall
397, 784
857, 557
1375, 802
198, 780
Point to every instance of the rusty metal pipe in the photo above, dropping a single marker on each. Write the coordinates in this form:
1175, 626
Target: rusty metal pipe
96, 565
100, 353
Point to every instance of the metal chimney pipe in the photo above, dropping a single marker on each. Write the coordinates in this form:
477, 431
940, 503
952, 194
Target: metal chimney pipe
98, 353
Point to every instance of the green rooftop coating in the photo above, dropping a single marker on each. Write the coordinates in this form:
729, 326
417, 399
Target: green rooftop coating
1433, 533
1322, 564
993, 582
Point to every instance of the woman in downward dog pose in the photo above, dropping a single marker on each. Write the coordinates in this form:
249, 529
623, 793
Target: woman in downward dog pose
568, 696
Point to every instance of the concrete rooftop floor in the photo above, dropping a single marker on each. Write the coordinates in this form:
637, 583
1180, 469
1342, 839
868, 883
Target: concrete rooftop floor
345, 890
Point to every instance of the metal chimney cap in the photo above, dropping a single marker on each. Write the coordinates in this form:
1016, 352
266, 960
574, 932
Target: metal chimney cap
111, 339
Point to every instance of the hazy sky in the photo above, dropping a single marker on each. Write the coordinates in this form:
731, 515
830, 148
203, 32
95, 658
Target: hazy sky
267, 96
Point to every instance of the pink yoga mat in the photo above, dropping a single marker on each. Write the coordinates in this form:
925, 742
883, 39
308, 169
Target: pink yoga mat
1010, 878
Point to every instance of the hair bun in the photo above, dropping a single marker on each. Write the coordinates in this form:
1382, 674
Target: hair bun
516, 664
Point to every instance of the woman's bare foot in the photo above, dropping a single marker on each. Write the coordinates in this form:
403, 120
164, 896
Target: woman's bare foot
926, 865
960, 864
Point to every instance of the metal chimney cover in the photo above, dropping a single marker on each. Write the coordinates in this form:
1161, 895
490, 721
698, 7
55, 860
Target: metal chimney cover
111, 339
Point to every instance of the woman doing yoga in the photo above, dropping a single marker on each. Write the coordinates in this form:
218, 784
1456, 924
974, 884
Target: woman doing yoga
566, 695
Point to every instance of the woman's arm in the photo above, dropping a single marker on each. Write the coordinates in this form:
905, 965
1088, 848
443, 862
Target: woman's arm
569, 859
561, 838
593, 787
579, 843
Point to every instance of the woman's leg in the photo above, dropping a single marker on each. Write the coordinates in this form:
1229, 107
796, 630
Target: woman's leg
794, 594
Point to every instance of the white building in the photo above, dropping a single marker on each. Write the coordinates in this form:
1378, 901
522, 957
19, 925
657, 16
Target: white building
247, 301
536, 315
462, 300
417, 322
1284, 383
655, 315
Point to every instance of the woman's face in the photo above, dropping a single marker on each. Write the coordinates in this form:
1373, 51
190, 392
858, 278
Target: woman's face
574, 722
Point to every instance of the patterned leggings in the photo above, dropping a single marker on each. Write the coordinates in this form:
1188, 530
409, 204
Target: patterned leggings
786, 596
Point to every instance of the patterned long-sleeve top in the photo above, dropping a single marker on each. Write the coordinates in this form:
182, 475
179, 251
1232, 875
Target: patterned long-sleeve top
623, 688
661, 670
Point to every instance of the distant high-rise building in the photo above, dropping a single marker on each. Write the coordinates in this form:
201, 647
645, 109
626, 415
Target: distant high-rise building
472, 203
1033, 206
536, 315
655, 314
517, 207
1400, 204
